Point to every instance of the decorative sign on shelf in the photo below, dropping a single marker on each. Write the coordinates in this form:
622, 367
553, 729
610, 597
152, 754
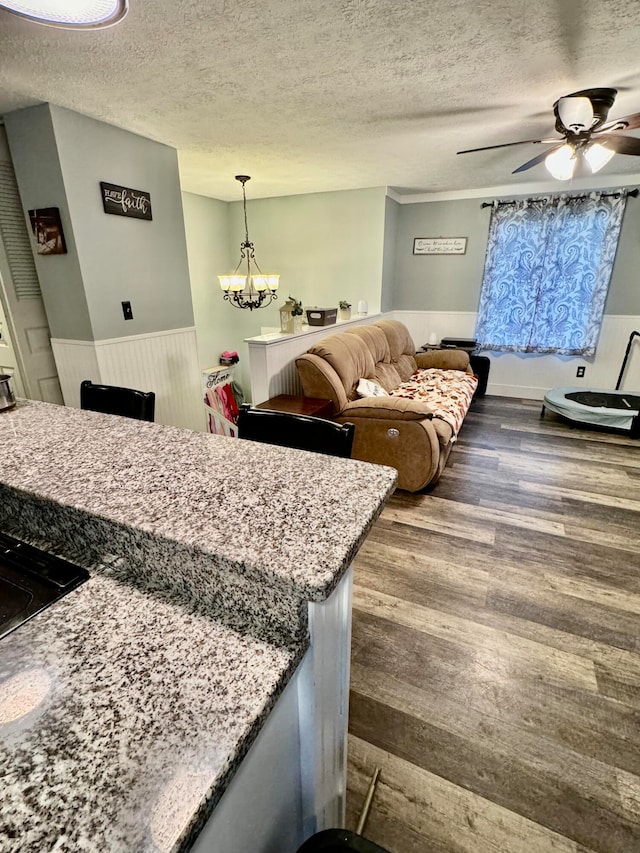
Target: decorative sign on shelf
439, 245
123, 201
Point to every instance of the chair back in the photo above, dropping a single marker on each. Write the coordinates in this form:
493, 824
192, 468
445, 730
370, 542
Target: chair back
113, 400
301, 432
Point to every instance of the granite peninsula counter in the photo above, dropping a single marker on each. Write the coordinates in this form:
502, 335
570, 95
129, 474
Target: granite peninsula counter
128, 707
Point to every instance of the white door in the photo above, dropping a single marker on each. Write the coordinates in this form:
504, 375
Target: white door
8, 360
27, 327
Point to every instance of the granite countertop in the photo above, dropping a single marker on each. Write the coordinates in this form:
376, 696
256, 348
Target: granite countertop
140, 714
148, 684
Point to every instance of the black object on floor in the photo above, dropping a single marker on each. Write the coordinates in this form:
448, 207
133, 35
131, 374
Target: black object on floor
339, 841
480, 364
113, 400
302, 432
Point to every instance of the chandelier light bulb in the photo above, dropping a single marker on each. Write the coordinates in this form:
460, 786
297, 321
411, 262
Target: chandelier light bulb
69, 14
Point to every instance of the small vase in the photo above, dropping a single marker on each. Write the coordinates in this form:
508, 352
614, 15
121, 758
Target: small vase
297, 324
344, 314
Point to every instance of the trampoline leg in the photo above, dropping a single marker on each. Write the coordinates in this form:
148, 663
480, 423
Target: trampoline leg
542, 412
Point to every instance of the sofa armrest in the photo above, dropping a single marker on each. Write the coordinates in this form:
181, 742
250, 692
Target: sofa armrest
445, 359
388, 408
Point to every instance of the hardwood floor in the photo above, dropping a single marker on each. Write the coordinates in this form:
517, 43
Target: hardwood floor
496, 646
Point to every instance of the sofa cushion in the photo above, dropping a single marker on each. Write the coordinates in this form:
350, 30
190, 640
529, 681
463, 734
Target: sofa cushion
349, 356
401, 347
387, 376
446, 359
376, 340
388, 408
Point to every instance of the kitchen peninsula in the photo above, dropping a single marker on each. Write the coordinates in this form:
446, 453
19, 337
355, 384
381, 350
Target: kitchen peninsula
180, 698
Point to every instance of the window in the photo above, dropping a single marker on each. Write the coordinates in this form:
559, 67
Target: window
547, 273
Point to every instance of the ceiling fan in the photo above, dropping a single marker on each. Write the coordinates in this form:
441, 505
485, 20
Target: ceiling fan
587, 142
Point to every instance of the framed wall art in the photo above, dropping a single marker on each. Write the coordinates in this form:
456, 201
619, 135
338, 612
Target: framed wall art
47, 229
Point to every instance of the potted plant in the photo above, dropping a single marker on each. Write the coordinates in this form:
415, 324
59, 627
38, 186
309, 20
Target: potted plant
345, 310
291, 316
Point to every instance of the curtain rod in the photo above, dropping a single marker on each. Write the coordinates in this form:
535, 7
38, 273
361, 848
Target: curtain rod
630, 194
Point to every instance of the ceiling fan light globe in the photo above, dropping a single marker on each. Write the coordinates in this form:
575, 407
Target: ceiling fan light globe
576, 113
69, 14
561, 163
597, 156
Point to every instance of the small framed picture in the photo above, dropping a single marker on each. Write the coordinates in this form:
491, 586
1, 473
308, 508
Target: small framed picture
439, 245
47, 229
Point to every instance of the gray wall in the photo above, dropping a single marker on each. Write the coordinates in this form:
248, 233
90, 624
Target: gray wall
440, 282
624, 290
123, 258
326, 247
60, 158
389, 257
452, 282
35, 157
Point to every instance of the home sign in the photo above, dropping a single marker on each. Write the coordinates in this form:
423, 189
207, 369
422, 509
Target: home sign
123, 201
439, 245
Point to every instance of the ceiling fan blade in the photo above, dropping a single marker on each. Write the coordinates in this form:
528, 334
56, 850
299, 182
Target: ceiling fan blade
631, 122
509, 144
620, 144
538, 159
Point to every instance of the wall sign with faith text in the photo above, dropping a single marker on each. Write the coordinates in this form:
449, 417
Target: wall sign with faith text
123, 201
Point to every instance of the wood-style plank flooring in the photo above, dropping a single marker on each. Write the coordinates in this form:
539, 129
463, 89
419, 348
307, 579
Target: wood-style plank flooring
496, 646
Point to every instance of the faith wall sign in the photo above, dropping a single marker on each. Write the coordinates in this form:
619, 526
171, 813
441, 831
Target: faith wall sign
123, 201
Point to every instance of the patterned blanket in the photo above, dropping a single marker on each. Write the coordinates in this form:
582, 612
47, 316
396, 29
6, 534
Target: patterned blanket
448, 393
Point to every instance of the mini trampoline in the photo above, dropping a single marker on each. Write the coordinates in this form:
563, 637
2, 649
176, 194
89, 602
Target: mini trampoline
619, 410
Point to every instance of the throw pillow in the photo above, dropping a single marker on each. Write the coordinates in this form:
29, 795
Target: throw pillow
369, 388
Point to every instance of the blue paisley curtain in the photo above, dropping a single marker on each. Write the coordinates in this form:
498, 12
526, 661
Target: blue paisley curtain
547, 273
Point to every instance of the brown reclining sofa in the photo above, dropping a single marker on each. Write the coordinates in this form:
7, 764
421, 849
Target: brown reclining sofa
390, 430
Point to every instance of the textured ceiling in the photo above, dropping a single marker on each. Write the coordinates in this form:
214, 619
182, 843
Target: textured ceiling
311, 95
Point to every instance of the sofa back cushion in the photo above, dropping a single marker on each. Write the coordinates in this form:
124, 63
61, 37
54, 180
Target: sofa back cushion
350, 357
384, 373
401, 348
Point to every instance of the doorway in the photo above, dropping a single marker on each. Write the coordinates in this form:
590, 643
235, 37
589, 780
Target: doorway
25, 341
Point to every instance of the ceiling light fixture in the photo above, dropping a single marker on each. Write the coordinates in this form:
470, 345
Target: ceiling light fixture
572, 160
597, 156
69, 14
561, 163
262, 287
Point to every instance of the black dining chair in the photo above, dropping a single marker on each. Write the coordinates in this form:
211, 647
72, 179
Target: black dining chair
301, 432
113, 400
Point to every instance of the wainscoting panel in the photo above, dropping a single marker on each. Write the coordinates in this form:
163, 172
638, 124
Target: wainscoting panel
164, 362
75, 360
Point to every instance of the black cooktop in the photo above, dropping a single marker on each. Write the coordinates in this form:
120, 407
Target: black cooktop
31, 580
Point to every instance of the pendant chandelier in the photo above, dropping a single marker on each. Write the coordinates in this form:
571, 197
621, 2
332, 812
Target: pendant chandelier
248, 290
